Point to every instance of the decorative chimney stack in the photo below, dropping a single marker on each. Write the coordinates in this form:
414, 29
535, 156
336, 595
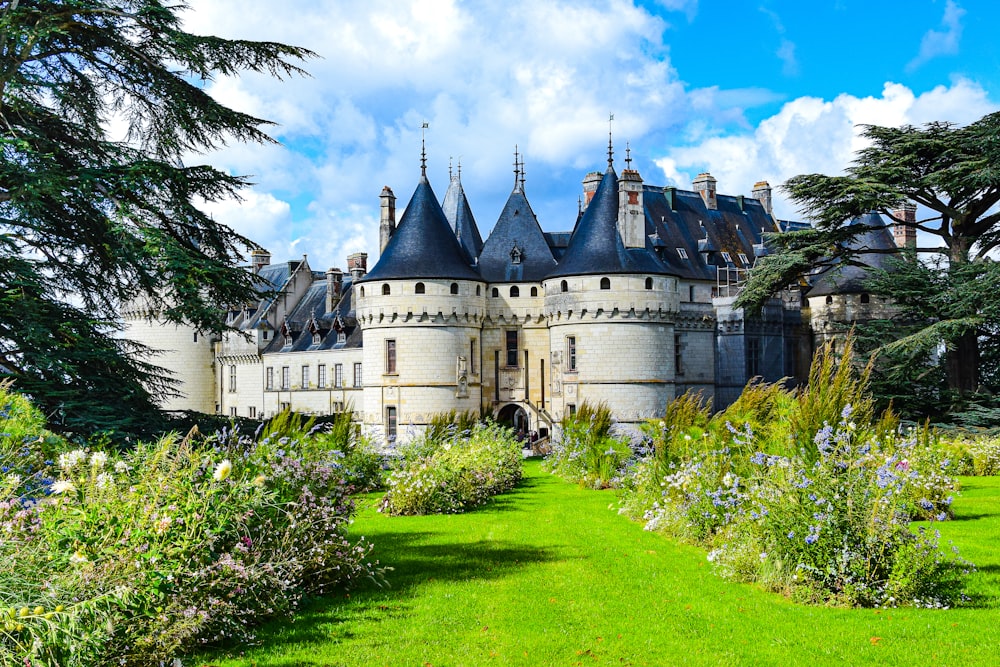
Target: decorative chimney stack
387, 221
590, 183
762, 193
334, 287
259, 258
905, 236
631, 216
704, 184
357, 264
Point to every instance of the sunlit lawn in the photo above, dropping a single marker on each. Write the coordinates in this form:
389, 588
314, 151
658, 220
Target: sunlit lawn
550, 574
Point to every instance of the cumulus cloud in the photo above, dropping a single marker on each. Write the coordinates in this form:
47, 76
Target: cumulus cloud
940, 42
812, 135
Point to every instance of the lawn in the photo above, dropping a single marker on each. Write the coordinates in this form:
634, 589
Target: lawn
550, 574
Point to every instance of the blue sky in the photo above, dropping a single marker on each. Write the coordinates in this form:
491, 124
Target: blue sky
746, 90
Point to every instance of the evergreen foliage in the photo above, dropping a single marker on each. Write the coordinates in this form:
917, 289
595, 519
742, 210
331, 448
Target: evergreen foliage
90, 220
950, 171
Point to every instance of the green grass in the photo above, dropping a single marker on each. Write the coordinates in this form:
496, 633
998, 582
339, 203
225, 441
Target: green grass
550, 574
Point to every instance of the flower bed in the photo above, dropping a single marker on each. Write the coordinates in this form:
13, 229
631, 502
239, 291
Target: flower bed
135, 557
454, 472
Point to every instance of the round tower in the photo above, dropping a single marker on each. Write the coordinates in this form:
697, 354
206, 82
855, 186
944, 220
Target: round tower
611, 306
421, 310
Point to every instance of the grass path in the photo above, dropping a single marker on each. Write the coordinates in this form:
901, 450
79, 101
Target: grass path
550, 575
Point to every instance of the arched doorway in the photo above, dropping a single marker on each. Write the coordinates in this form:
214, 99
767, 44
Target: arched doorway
514, 416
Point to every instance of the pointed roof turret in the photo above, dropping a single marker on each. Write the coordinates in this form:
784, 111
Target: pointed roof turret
596, 246
424, 245
459, 214
516, 249
850, 279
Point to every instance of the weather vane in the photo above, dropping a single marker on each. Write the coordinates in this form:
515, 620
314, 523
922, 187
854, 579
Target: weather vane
423, 150
611, 152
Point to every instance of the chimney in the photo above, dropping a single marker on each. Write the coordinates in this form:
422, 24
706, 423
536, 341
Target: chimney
590, 183
905, 236
334, 287
259, 258
704, 184
357, 264
631, 216
387, 221
762, 193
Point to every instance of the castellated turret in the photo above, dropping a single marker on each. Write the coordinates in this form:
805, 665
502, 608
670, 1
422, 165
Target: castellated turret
421, 311
611, 310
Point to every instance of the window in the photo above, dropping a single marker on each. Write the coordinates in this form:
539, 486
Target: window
232, 378
571, 353
390, 356
385, 289
472, 357
338, 406
390, 422
682, 253
454, 288
744, 259
678, 361
691, 293
338, 375
479, 290
285, 406
564, 286
232, 411
866, 298
286, 377
495, 292
649, 283
829, 300
321, 376
305, 377
264, 334
362, 292
511, 346
571, 409
753, 357
253, 412
269, 379
726, 256
514, 291
605, 283
534, 291
357, 375
342, 337
196, 336
418, 288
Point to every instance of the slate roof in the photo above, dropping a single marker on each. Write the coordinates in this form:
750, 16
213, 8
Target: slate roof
424, 244
846, 279
459, 214
596, 246
517, 227
271, 280
309, 316
679, 219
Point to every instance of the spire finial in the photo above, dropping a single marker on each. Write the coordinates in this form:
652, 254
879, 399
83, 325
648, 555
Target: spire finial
628, 156
522, 172
449, 169
517, 167
611, 152
423, 150
459, 167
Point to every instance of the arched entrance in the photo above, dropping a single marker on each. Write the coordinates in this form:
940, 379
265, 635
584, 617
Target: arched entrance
514, 416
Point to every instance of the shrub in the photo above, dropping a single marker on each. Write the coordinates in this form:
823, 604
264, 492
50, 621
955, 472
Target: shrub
588, 452
134, 558
452, 475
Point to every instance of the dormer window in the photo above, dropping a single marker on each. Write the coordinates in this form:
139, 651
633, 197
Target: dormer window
682, 253
342, 337
515, 255
744, 259
726, 256
316, 339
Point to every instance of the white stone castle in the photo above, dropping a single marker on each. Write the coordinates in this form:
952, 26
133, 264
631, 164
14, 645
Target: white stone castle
631, 308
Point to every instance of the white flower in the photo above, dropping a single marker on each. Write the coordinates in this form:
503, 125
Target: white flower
121, 466
163, 525
14, 480
63, 486
222, 470
105, 480
72, 459
98, 459
78, 557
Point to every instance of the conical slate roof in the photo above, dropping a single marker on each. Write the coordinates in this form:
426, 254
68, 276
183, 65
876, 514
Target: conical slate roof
846, 279
516, 249
459, 214
424, 245
596, 246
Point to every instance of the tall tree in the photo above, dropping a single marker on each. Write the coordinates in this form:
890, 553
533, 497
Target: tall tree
89, 220
951, 171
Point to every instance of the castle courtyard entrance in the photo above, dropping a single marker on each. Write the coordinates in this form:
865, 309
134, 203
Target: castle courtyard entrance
515, 417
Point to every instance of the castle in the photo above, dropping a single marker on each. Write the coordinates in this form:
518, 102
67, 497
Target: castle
633, 307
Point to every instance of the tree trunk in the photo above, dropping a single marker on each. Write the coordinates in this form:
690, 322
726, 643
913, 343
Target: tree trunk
962, 364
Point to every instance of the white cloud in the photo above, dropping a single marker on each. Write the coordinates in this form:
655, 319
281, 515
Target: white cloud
811, 135
786, 54
940, 42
